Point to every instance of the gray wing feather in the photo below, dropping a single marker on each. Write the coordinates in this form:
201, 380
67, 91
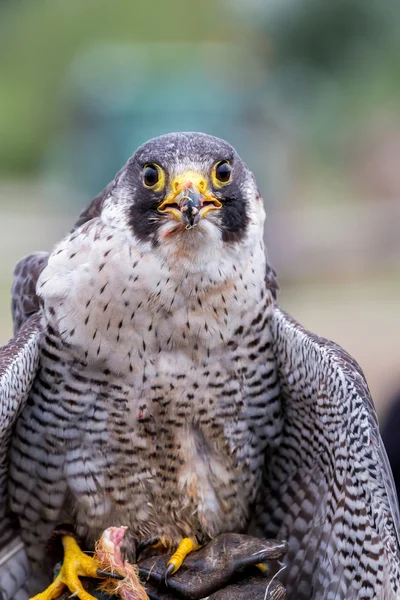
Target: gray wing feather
25, 302
14, 571
271, 281
18, 365
328, 488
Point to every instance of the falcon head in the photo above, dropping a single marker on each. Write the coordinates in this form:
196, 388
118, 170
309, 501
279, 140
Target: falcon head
179, 232
186, 191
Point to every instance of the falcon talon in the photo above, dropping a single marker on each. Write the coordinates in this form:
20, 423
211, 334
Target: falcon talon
170, 570
186, 546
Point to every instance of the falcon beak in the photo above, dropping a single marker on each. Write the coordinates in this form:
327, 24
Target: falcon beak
189, 200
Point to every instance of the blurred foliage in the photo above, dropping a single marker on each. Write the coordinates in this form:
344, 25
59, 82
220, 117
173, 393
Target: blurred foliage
39, 40
333, 65
83, 83
326, 35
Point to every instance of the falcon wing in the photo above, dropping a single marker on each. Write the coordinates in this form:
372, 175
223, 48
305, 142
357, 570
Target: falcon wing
329, 489
18, 364
25, 302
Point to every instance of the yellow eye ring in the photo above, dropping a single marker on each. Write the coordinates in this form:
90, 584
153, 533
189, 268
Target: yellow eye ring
221, 173
153, 177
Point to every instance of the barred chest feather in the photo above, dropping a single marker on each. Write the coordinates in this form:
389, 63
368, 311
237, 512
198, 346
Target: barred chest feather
157, 384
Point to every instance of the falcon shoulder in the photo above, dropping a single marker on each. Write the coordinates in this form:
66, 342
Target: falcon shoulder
329, 490
271, 281
25, 301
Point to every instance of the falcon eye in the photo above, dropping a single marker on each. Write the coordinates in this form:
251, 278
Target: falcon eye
223, 171
151, 175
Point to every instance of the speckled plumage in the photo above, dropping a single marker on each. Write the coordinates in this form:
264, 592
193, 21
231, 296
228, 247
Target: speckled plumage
18, 364
328, 488
156, 392
169, 377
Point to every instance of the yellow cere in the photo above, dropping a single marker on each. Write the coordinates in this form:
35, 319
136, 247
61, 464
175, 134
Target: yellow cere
189, 176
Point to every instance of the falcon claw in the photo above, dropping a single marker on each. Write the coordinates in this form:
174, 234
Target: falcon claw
186, 546
102, 573
168, 571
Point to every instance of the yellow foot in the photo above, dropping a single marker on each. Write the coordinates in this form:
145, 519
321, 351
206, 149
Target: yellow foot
186, 546
76, 564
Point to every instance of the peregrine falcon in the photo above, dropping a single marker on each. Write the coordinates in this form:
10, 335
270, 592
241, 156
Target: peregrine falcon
157, 383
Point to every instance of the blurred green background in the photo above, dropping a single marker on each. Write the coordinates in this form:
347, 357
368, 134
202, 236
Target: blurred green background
307, 90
